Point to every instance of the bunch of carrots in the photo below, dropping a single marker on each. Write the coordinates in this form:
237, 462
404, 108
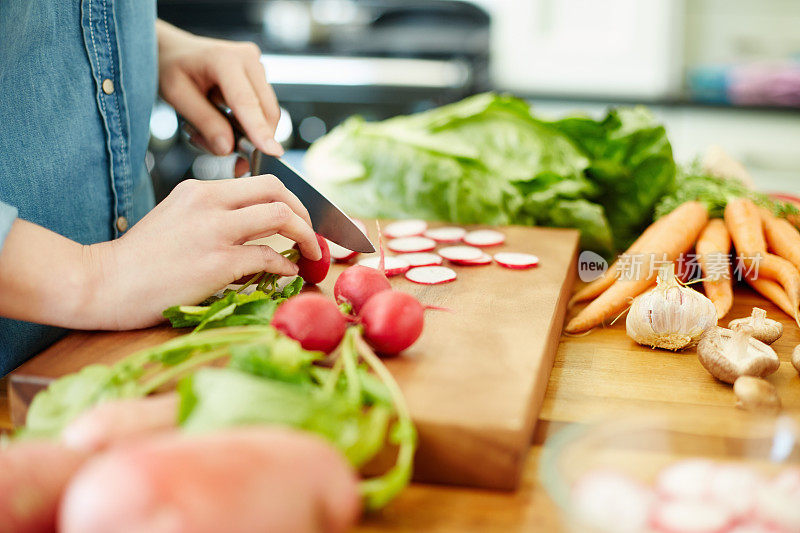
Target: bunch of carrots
767, 246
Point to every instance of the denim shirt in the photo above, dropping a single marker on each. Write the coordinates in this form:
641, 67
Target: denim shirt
77, 83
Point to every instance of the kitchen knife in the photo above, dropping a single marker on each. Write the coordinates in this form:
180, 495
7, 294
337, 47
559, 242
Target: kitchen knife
326, 219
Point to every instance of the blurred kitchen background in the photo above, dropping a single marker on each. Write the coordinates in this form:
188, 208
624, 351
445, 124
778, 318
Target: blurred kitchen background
724, 72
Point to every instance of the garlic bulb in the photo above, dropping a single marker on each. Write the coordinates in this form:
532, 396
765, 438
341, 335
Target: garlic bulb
670, 316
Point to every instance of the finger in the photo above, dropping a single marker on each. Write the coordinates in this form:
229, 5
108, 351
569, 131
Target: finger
241, 97
258, 190
252, 258
264, 92
193, 105
262, 220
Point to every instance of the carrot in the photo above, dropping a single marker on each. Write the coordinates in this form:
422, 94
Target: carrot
782, 238
772, 292
672, 238
713, 247
596, 287
747, 231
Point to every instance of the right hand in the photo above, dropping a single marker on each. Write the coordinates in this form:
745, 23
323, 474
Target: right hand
191, 245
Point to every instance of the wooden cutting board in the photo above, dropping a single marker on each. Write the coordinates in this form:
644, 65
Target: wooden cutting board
474, 381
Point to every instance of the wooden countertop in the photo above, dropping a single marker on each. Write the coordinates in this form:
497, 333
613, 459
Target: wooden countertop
600, 375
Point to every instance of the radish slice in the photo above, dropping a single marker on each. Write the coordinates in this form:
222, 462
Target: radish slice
430, 275
405, 228
688, 480
423, 259
516, 260
484, 237
392, 265
340, 253
461, 253
735, 487
405, 245
681, 516
446, 234
485, 259
777, 505
752, 527
360, 224
611, 502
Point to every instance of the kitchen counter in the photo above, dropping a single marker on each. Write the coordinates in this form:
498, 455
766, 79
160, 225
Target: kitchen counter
600, 375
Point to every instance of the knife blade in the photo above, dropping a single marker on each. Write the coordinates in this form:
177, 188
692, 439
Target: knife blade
326, 218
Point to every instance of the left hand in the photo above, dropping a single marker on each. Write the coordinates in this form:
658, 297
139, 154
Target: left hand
190, 66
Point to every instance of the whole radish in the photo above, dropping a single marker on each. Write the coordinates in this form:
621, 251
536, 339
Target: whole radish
357, 284
392, 321
312, 320
314, 272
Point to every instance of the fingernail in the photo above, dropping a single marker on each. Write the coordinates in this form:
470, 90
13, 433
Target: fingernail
221, 145
274, 146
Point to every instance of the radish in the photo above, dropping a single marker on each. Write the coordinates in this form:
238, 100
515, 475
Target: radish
752, 527
392, 321
422, 259
117, 421
312, 320
446, 234
357, 284
688, 479
735, 487
392, 266
405, 228
430, 275
236, 480
682, 516
314, 272
33, 475
484, 237
516, 260
461, 253
484, 259
778, 504
340, 253
404, 245
611, 502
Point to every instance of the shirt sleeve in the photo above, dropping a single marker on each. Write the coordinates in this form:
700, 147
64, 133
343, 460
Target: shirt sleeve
8, 214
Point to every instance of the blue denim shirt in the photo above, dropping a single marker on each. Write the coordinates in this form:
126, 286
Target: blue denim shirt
77, 83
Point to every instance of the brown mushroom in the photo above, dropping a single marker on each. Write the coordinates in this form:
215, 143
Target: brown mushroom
796, 357
756, 394
765, 329
728, 354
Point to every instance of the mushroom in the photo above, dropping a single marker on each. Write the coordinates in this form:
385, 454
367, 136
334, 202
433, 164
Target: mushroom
796, 357
756, 394
765, 329
728, 354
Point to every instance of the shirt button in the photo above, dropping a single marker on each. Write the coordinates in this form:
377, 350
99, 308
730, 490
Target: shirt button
122, 223
108, 86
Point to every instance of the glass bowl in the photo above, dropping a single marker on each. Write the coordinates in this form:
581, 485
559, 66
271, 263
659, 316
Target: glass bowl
640, 448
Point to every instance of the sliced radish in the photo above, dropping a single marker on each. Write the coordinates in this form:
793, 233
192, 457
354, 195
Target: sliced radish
516, 260
777, 505
405, 245
735, 487
392, 265
683, 516
611, 502
687, 480
750, 526
446, 234
484, 237
423, 259
485, 259
340, 253
405, 228
788, 480
461, 253
430, 275
360, 224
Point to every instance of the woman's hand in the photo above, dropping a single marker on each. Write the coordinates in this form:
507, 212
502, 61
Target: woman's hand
192, 244
190, 66
189, 246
